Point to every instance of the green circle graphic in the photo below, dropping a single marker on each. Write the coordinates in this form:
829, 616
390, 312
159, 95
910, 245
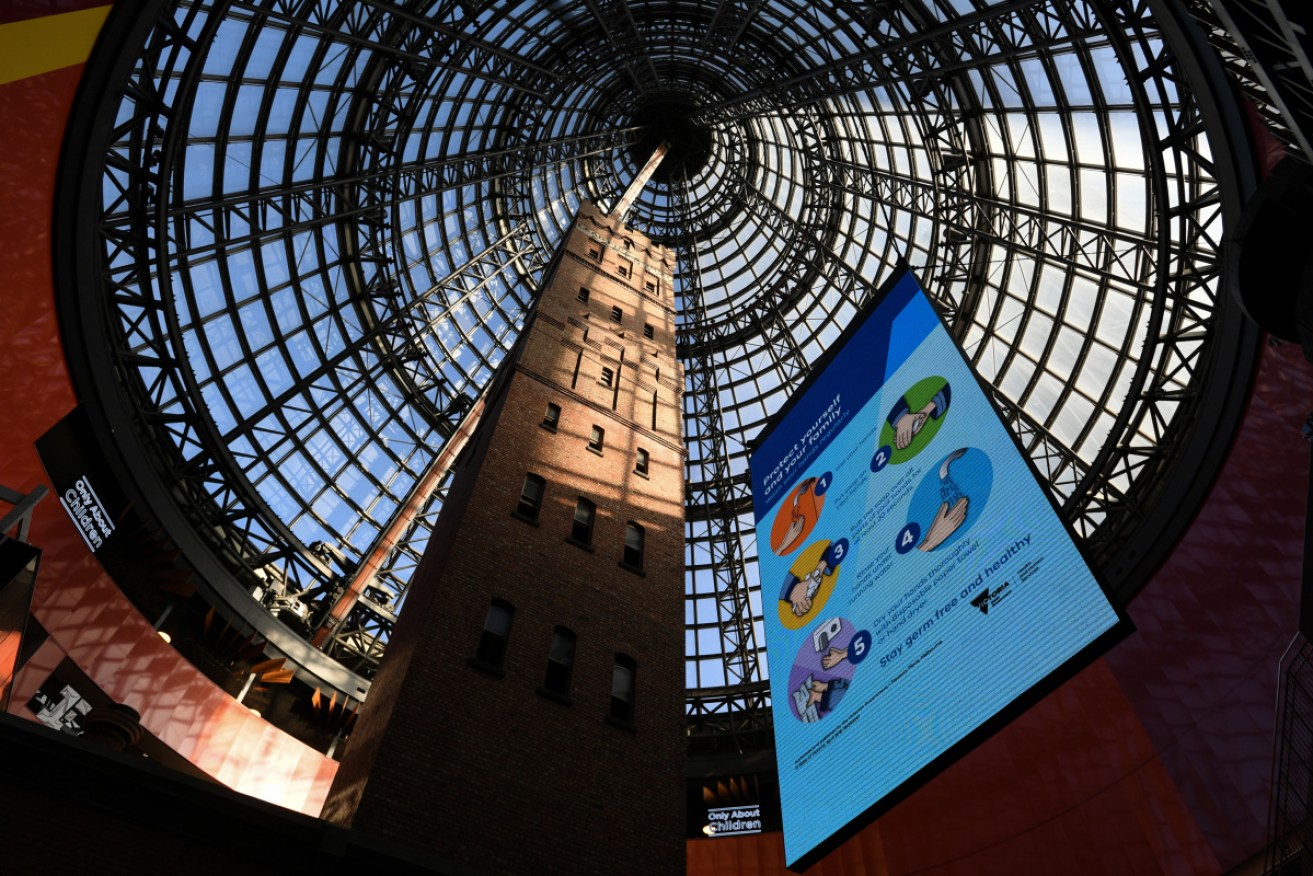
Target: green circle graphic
921, 394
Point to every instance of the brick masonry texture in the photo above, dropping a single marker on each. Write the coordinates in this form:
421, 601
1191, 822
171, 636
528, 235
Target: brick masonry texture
481, 766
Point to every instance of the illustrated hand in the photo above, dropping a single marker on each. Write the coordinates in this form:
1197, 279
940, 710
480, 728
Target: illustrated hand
905, 430
799, 599
818, 689
791, 535
834, 658
946, 523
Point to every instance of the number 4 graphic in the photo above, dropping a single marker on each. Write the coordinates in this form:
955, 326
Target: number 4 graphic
908, 537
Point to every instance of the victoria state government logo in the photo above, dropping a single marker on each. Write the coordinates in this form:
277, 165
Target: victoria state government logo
990, 597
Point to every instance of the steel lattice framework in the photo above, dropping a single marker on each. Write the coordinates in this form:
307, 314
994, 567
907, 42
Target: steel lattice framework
308, 232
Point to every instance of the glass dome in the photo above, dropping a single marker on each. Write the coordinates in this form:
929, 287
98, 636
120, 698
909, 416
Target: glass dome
311, 231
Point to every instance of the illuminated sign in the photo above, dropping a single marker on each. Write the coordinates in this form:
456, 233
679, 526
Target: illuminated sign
921, 587
733, 820
88, 512
84, 482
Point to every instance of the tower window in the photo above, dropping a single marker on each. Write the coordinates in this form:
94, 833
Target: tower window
596, 439
607, 378
633, 557
552, 418
496, 635
648, 331
641, 462
650, 285
585, 513
560, 663
531, 498
625, 269
583, 294
617, 314
622, 689
595, 252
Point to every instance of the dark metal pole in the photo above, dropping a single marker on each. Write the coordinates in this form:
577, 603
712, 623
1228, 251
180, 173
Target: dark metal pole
636, 187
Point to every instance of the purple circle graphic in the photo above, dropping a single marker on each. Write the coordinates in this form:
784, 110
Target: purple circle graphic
815, 690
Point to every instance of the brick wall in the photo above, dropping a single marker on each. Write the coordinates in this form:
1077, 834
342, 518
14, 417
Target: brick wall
481, 765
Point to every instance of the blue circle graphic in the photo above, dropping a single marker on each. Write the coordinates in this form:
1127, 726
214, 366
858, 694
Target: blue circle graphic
964, 473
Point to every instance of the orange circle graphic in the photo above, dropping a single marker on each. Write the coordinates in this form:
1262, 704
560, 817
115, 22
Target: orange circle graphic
796, 518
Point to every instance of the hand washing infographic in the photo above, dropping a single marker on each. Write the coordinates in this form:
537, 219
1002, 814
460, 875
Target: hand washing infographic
924, 583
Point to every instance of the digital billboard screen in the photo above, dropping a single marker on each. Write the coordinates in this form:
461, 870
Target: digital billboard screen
920, 588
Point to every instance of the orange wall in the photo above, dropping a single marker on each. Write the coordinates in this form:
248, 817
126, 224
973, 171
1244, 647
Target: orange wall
87, 617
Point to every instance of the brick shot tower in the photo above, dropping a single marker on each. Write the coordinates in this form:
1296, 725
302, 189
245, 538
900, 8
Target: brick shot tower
529, 715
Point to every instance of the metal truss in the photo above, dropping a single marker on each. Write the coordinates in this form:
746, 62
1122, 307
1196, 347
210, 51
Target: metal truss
1267, 52
620, 32
1002, 32
394, 32
17, 519
323, 202
735, 719
717, 503
1290, 818
361, 639
202, 466
314, 231
1239, 60
1192, 189
728, 25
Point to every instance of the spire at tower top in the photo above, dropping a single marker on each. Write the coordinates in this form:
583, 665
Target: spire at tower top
631, 194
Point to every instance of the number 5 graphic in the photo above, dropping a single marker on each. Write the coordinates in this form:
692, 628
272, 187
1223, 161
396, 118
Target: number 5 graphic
859, 647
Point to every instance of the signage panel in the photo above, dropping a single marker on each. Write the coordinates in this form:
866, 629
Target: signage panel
921, 587
83, 481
